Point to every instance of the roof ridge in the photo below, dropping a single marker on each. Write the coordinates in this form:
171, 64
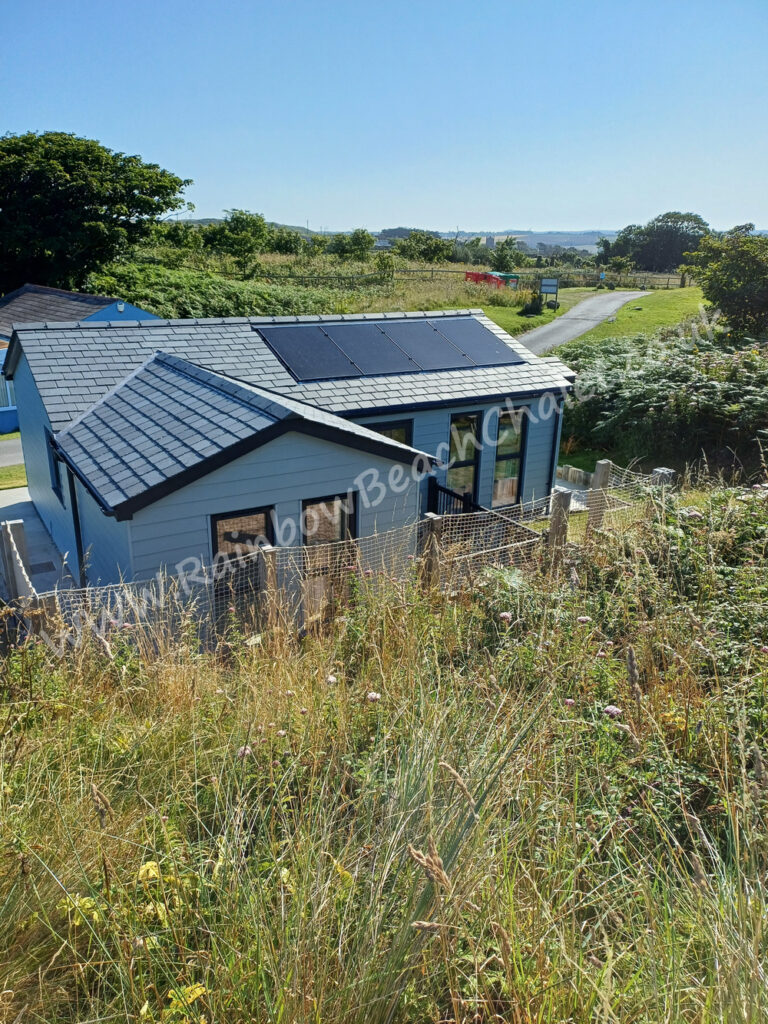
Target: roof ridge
65, 325
44, 289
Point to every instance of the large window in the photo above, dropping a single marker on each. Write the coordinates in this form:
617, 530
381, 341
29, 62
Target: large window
509, 450
464, 455
396, 430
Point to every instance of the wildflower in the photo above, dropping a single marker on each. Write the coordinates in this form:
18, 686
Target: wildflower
290, 693
569, 702
583, 619
612, 711
243, 752
302, 711
505, 616
601, 654
282, 732
231, 609
331, 680
373, 697
764, 649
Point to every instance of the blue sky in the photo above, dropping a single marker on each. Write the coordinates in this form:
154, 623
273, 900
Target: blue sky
434, 113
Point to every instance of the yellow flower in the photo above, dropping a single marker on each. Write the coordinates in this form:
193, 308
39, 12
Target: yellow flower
149, 872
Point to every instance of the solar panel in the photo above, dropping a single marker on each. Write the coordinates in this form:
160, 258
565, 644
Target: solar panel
368, 346
481, 345
426, 346
308, 352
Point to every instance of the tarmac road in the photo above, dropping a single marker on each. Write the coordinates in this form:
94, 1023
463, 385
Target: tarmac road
578, 320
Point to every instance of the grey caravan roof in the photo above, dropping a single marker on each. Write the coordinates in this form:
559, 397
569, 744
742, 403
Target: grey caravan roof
35, 302
170, 422
75, 364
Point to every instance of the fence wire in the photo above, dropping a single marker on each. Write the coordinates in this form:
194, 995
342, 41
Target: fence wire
306, 585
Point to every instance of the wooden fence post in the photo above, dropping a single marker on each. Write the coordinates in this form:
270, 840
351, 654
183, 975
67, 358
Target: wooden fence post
432, 544
560, 505
596, 496
269, 593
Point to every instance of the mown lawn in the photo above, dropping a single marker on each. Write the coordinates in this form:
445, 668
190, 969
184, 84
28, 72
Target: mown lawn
646, 315
12, 476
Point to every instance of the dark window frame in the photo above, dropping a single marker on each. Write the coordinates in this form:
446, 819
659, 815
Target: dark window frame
350, 517
267, 511
54, 466
518, 457
476, 448
394, 425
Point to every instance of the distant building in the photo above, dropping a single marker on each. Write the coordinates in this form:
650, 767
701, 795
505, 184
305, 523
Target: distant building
490, 242
36, 303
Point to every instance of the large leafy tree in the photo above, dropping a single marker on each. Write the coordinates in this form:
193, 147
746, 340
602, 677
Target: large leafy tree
69, 205
242, 235
658, 245
425, 246
732, 270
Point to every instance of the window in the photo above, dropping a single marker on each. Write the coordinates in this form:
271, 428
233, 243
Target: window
464, 454
328, 519
397, 430
54, 466
235, 534
509, 448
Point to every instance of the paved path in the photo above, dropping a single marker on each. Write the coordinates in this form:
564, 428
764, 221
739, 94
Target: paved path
45, 567
578, 320
10, 453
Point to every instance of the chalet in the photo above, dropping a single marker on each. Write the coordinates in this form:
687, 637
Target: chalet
36, 303
148, 443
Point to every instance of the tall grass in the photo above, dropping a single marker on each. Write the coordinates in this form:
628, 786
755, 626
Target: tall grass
424, 814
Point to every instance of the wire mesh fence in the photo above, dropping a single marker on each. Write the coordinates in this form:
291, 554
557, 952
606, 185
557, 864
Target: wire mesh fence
303, 586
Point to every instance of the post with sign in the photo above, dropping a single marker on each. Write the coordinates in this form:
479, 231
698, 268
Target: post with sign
549, 286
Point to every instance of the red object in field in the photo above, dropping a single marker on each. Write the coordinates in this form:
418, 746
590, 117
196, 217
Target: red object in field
482, 277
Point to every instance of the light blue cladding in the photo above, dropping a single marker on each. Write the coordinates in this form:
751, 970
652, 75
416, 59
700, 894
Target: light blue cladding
121, 311
431, 433
106, 542
281, 474
33, 422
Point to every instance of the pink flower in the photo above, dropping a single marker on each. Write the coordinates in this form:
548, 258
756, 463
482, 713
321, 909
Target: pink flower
764, 649
373, 697
330, 680
303, 711
569, 702
612, 711
583, 619
601, 654
505, 616
290, 693
231, 609
282, 732
244, 752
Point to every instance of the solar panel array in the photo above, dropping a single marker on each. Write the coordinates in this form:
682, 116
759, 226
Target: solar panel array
373, 348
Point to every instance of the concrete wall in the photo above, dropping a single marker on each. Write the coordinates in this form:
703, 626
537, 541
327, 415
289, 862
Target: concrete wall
292, 468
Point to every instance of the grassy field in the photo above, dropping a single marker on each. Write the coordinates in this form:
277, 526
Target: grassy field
14, 436
658, 309
12, 476
543, 798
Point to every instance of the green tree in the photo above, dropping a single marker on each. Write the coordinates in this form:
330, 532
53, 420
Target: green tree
242, 235
732, 270
285, 241
658, 245
504, 256
69, 206
425, 247
358, 245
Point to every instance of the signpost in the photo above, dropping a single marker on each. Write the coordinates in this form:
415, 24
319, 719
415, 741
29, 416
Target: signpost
549, 286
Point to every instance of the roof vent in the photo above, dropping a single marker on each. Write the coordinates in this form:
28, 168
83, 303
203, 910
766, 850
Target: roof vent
121, 307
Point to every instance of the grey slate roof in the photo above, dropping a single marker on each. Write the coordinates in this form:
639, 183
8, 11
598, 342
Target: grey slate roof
170, 421
34, 302
75, 364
